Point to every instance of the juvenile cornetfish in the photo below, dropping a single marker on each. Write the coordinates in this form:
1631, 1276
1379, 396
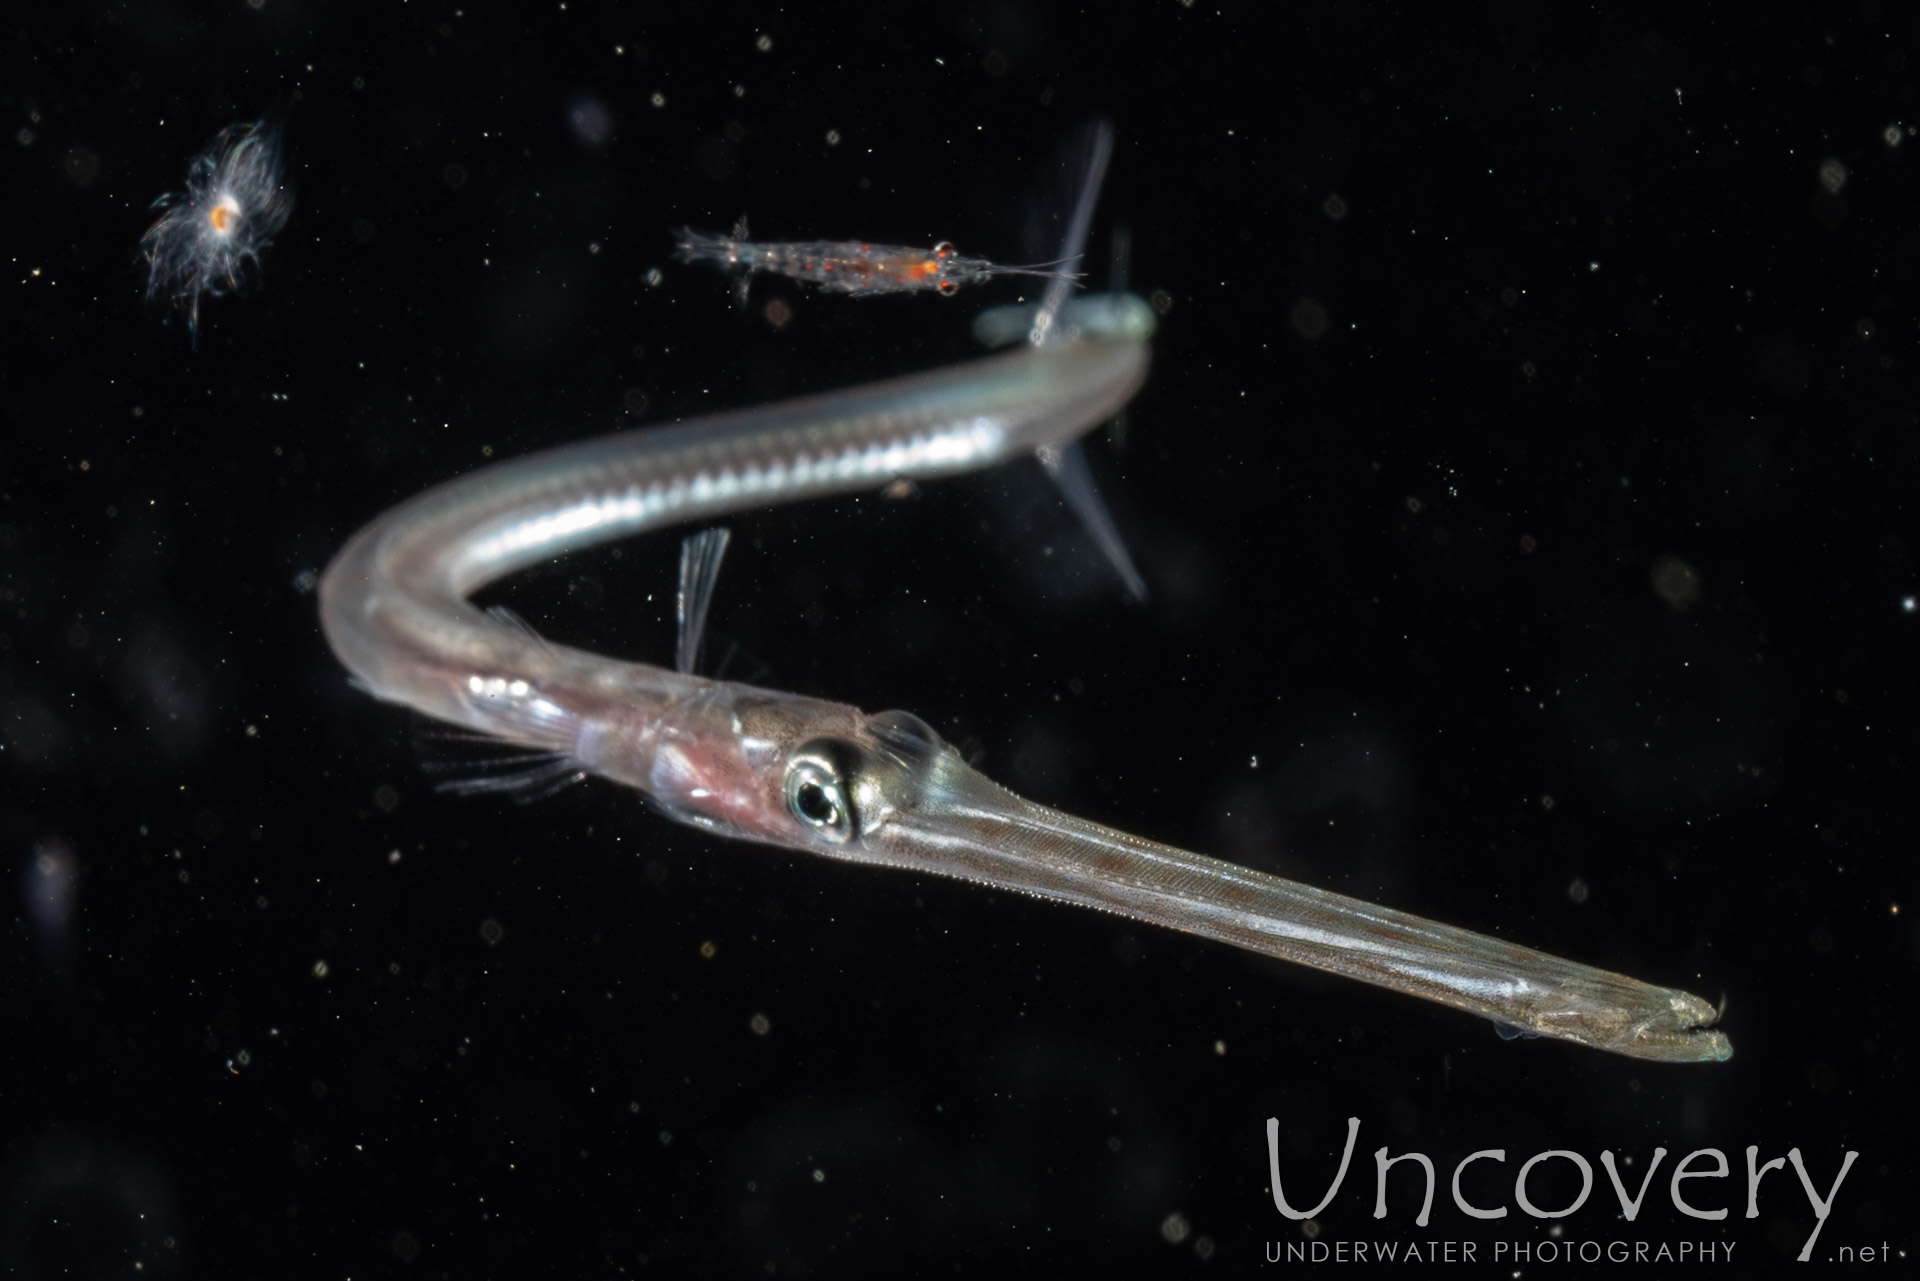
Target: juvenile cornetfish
824, 778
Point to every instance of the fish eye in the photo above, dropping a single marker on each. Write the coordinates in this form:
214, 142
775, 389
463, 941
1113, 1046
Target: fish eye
817, 794
943, 250
948, 288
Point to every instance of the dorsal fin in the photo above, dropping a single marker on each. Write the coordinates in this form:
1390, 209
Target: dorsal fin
1097, 146
700, 556
501, 614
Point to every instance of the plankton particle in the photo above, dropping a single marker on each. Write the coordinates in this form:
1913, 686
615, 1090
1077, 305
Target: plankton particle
209, 238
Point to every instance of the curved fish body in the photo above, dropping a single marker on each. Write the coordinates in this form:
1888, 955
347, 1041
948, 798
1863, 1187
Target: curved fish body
825, 778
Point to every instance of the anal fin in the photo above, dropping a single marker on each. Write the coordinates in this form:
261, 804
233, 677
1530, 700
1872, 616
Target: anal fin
700, 556
1067, 464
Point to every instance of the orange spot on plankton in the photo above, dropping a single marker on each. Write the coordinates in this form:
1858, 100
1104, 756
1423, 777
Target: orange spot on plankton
224, 215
